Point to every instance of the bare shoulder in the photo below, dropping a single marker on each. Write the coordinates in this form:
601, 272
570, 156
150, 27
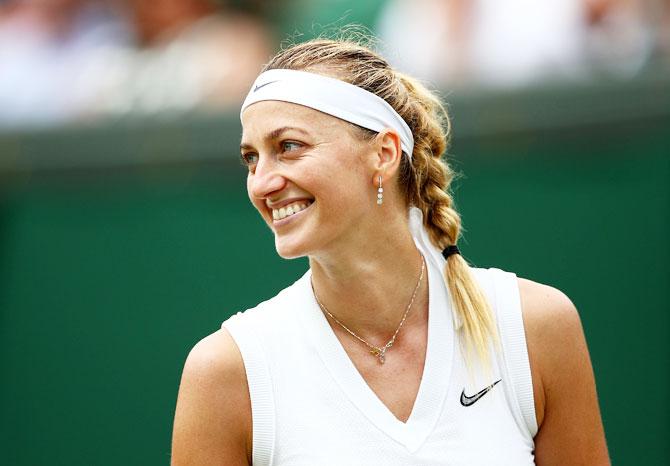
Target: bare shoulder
547, 309
566, 404
212, 422
215, 358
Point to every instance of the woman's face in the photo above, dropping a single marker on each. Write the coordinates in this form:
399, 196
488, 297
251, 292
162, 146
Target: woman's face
310, 176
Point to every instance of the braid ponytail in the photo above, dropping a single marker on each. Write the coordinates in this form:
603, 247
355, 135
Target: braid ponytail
428, 177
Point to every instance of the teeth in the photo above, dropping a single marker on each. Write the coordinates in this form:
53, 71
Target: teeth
283, 212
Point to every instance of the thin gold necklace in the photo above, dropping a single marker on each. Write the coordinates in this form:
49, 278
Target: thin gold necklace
379, 352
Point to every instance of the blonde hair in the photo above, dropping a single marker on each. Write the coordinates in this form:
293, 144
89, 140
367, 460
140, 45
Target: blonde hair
425, 179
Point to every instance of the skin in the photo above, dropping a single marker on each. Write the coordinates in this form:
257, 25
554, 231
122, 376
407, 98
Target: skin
356, 276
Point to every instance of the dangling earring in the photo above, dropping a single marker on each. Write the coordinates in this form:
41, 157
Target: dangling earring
380, 192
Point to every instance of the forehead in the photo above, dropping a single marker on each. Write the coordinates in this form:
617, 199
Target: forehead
263, 117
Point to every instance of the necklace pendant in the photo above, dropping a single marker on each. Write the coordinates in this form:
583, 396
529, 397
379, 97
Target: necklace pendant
380, 354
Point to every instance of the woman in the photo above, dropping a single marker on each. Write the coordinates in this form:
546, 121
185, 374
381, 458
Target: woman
390, 349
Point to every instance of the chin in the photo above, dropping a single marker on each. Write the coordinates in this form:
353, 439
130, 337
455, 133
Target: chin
289, 249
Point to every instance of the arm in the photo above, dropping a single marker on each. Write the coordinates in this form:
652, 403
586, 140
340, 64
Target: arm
212, 423
566, 404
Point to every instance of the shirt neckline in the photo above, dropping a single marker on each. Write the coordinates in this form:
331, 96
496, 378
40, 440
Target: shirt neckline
434, 384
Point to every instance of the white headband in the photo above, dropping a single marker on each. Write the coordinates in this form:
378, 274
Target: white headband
332, 96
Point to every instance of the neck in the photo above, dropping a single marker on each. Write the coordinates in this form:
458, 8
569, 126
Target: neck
367, 286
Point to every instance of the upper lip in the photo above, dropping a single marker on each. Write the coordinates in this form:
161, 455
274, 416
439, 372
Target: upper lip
285, 202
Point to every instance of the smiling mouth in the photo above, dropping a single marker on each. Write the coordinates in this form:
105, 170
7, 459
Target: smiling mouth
290, 209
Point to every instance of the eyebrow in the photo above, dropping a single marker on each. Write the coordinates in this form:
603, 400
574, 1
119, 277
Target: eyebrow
274, 134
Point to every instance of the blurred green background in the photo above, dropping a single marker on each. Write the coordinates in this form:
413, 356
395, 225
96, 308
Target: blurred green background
122, 245
125, 241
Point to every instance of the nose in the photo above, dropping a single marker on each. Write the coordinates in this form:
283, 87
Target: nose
265, 179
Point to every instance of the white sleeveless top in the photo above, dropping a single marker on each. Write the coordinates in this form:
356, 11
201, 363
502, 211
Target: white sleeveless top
311, 407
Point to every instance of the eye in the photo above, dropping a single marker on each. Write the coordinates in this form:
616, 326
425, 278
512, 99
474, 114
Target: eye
290, 146
249, 159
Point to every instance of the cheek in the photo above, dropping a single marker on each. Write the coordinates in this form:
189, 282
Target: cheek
346, 196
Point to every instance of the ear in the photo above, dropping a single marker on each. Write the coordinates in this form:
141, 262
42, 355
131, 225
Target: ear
388, 153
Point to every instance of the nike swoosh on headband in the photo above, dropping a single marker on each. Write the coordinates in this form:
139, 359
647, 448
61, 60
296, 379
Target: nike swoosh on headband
263, 85
470, 400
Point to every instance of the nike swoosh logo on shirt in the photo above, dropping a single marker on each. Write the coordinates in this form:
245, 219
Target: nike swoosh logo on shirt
470, 400
263, 85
